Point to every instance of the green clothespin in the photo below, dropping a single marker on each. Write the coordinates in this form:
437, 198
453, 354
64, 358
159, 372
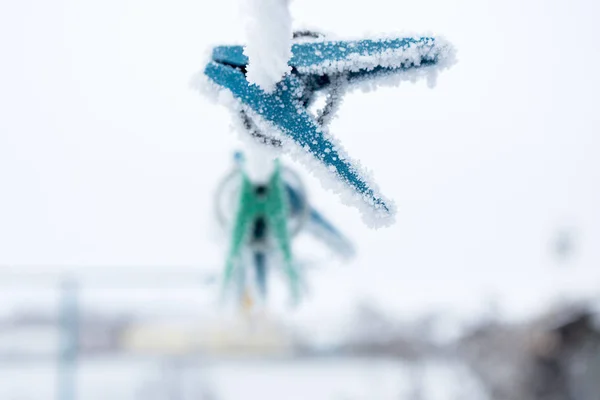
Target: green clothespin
269, 202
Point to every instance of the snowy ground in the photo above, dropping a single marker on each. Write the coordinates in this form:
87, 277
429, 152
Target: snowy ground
318, 379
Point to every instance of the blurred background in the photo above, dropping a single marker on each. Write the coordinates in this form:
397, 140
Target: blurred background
487, 286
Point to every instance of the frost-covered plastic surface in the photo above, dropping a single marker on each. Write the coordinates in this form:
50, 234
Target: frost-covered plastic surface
269, 30
320, 65
325, 57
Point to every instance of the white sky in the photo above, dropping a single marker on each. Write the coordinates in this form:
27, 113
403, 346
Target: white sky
107, 156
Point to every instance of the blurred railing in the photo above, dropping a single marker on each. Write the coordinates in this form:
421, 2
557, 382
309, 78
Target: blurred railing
54, 318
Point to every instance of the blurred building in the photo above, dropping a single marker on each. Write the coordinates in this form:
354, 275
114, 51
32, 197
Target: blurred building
556, 357
213, 337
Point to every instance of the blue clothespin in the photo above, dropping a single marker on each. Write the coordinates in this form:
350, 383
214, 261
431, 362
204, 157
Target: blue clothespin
316, 66
317, 225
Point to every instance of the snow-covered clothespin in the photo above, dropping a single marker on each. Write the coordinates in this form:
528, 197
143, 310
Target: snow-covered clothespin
325, 65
